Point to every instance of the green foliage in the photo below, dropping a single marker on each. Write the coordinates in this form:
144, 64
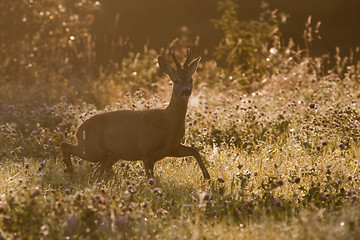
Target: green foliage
246, 44
47, 49
41, 38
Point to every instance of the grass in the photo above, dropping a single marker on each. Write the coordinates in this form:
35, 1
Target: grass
283, 163
279, 134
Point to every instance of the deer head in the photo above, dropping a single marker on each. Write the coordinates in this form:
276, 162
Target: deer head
182, 75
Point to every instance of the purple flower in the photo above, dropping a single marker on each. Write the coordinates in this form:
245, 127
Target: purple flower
220, 180
342, 146
207, 197
151, 181
353, 197
36, 192
159, 211
280, 182
277, 203
96, 198
158, 191
248, 204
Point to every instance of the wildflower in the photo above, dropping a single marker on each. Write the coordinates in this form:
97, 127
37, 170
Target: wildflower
280, 182
277, 203
297, 179
220, 180
36, 192
318, 148
215, 213
67, 191
207, 197
312, 105
96, 198
151, 181
158, 192
353, 197
248, 204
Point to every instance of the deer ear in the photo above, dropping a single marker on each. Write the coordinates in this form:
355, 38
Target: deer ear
165, 66
193, 66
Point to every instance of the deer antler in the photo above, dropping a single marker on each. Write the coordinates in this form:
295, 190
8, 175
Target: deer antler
188, 56
178, 66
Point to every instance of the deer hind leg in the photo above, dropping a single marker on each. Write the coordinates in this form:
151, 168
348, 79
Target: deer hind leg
68, 150
184, 151
106, 165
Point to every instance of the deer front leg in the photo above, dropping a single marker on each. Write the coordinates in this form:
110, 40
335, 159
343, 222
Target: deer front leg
149, 168
184, 151
66, 149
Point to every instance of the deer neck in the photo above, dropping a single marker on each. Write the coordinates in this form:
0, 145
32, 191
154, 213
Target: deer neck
175, 112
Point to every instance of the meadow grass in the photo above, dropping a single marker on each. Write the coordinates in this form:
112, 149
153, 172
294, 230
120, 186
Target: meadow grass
283, 163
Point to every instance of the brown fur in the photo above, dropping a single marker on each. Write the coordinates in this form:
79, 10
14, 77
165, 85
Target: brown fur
148, 135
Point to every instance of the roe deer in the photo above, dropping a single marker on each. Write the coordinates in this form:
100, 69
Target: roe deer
148, 135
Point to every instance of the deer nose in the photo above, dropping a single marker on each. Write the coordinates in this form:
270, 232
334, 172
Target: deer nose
186, 92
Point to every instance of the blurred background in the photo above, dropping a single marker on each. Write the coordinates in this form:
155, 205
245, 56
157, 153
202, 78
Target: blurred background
156, 22
95, 50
